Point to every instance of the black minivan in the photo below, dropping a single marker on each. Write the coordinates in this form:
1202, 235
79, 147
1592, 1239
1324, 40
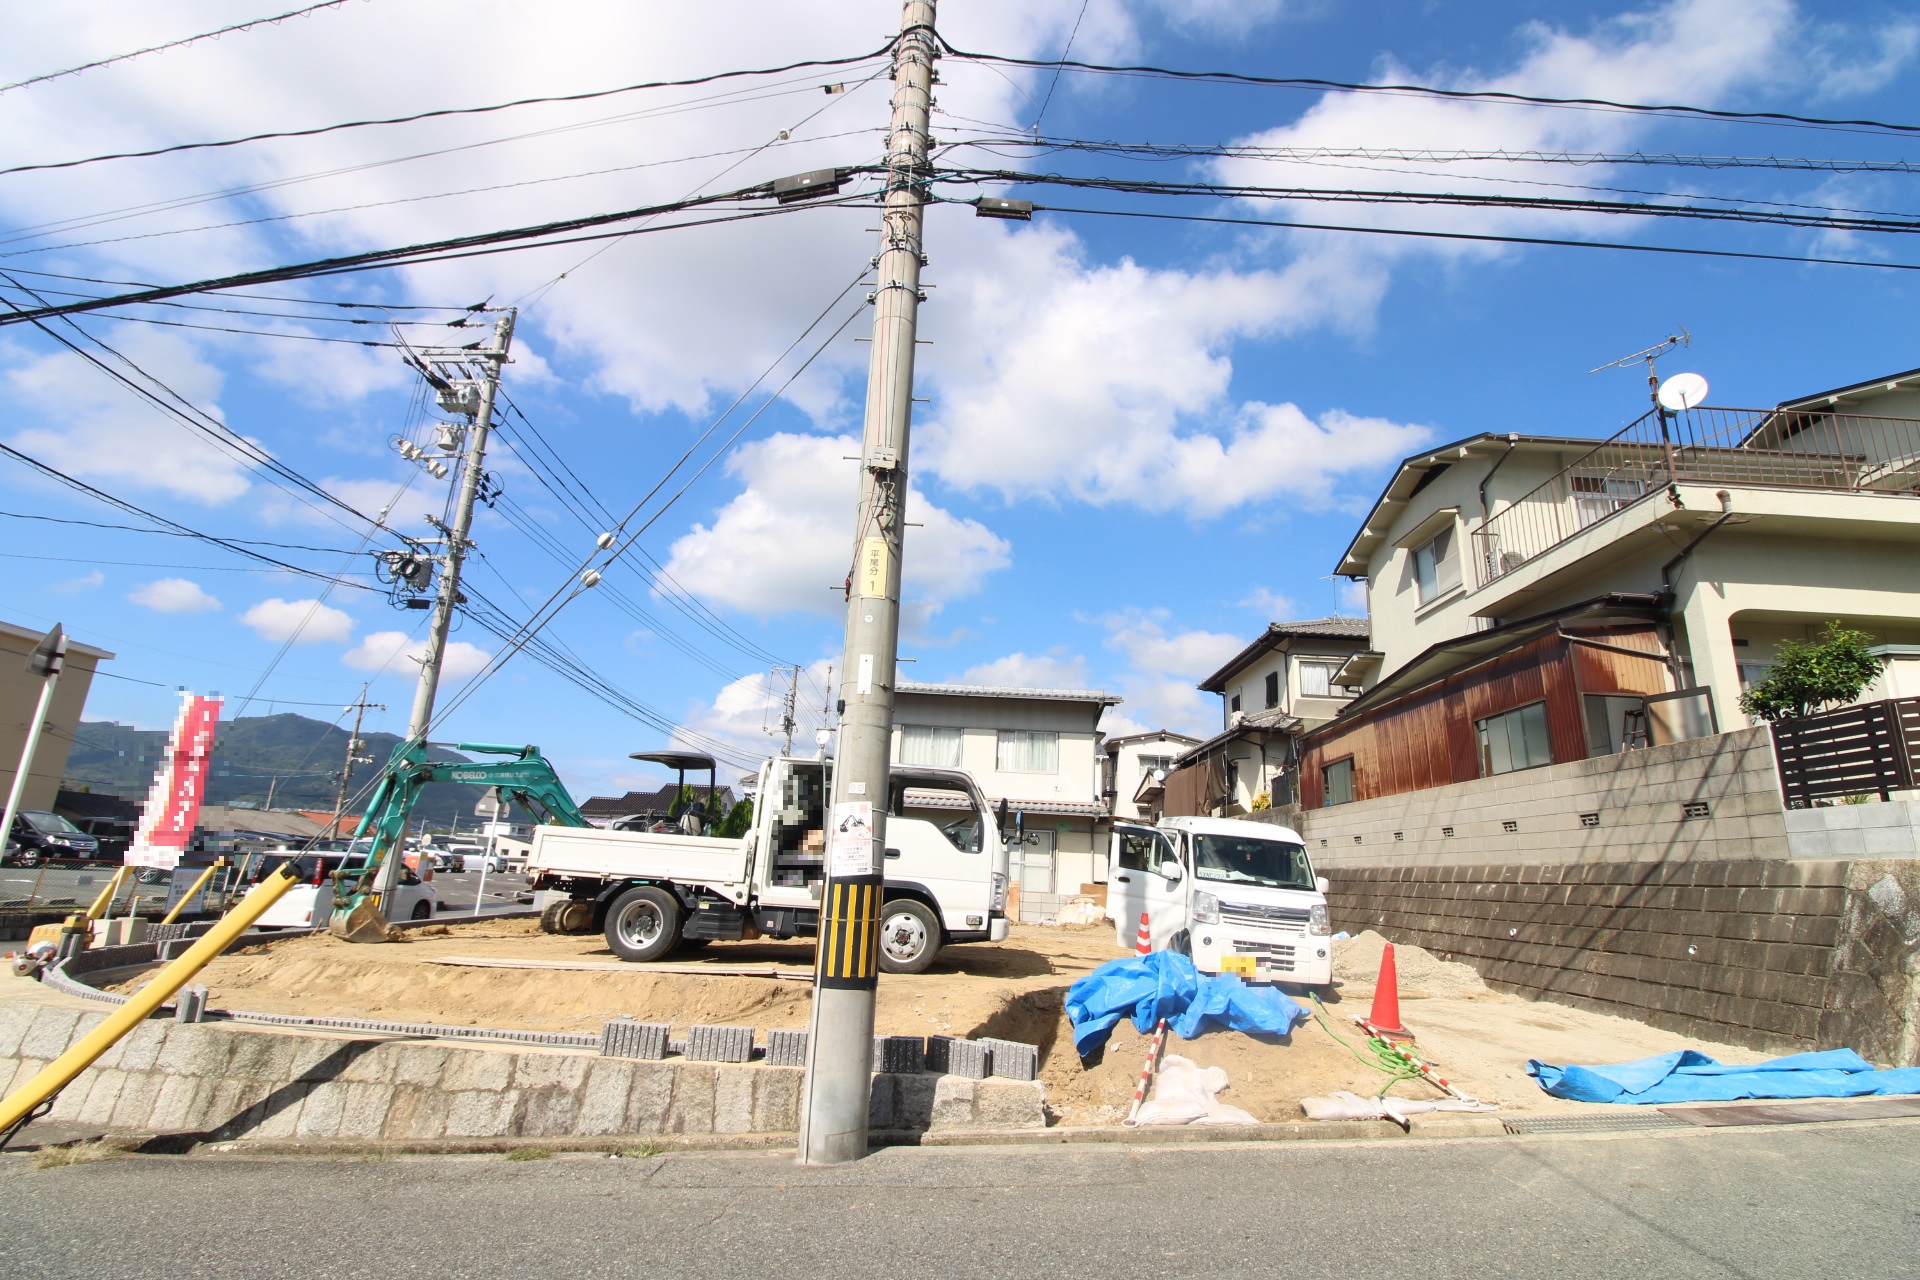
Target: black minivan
39, 836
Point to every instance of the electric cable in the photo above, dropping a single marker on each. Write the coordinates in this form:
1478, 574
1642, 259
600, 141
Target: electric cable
445, 112
429, 251
248, 25
130, 528
1316, 84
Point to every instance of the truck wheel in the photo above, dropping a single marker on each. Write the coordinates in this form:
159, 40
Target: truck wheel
909, 937
572, 916
643, 923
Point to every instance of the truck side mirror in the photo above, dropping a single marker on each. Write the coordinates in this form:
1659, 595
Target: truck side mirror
1172, 871
1324, 885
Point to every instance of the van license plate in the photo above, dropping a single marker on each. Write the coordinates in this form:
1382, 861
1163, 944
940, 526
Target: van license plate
1241, 965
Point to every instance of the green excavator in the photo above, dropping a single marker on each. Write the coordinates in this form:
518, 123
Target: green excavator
526, 779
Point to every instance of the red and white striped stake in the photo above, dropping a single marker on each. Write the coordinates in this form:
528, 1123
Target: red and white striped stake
1146, 1071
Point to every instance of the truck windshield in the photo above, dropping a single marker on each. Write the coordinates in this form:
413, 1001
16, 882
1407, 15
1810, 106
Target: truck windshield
1274, 864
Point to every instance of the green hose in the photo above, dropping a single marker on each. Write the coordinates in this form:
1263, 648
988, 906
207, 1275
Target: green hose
1384, 1057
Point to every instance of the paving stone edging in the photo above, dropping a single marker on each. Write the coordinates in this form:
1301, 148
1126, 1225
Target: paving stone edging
222, 1081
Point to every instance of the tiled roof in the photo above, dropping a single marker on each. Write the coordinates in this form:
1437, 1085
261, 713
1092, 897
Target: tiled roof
1007, 691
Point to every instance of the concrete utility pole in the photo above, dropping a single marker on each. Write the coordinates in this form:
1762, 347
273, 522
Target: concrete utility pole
45, 661
787, 721
354, 744
833, 1120
466, 381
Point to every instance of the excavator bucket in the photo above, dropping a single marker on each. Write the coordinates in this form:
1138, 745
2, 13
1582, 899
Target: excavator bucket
361, 921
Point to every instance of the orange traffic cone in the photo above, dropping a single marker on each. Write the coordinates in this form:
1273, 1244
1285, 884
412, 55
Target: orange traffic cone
1384, 1018
1143, 944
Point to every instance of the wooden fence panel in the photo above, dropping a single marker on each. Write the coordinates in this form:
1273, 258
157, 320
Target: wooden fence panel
1850, 751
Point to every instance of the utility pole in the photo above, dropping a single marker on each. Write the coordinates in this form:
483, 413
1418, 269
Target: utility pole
354, 744
466, 382
787, 720
833, 1118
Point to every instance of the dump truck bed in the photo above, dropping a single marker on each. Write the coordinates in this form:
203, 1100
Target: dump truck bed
640, 855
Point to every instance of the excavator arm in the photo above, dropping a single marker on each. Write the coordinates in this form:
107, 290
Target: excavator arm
527, 779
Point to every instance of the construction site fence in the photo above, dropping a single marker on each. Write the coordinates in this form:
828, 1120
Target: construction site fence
1769, 448
62, 883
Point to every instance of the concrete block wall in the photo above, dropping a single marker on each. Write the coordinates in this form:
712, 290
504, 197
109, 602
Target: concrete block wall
1627, 807
1767, 953
226, 1081
1872, 830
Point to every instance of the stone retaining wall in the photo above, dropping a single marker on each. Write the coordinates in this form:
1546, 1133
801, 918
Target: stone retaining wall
1769, 953
223, 1081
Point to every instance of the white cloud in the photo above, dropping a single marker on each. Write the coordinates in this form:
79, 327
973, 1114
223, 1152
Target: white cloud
1276, 607
173, 595
744, 716
1162, 669
71, 416
1111, 384
85, 582
1056, 669
783, 542
302, 621
397, 653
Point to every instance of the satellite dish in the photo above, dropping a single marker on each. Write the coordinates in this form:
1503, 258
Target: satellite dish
1682, 391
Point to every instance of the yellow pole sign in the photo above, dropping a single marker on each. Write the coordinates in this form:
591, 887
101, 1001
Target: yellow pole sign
874, 562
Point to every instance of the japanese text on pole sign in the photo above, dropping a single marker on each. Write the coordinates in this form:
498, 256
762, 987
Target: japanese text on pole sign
874, 559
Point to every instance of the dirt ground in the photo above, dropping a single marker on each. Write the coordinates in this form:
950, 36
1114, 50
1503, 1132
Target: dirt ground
1016, 990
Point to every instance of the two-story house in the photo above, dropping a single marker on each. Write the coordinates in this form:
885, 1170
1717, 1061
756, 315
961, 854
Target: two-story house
1036, 749
1137, 765
1540, 599
1286, 681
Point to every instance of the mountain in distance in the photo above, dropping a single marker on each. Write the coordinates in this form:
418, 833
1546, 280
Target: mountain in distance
294, 758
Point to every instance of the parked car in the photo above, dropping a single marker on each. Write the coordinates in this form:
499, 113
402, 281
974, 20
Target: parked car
308, 904
39, 836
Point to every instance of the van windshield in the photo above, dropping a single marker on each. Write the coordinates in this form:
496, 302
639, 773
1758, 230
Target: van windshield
1274, 864
50, 824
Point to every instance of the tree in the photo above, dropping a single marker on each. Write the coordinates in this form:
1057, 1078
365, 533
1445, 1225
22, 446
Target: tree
1810, 677
739, 820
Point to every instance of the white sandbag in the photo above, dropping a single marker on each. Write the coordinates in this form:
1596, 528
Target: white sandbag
1184, 1094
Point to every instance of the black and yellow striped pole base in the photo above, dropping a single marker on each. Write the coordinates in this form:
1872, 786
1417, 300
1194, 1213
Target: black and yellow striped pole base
848, 957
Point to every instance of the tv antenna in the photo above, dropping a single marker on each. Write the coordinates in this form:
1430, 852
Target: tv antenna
1667, 344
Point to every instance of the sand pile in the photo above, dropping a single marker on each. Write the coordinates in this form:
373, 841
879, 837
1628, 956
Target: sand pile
1423, 975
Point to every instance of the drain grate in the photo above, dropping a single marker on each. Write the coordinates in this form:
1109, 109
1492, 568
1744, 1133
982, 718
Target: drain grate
1625, 1123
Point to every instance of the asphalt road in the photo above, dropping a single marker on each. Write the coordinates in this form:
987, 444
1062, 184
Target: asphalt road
458, 888
1827, 1201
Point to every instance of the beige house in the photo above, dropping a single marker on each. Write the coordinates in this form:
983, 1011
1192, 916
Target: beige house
1136, 769
1746, 526
20, 694
1287, 681
1036, 749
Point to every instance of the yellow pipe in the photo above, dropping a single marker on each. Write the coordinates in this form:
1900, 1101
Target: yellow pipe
59, 1073
187, 897
108, 894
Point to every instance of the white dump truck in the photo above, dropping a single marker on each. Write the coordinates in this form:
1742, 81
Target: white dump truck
1238, 897
652, 891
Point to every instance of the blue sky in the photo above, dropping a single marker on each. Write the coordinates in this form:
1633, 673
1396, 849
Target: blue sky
1142, 440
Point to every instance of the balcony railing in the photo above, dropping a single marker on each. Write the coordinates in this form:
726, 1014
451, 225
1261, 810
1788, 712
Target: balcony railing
1769, 448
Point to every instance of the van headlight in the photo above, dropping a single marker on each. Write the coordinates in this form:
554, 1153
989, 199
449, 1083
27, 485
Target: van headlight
1317, 924
1206, 909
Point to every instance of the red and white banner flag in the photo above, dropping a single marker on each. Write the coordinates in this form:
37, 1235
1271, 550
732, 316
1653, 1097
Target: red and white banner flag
173, 803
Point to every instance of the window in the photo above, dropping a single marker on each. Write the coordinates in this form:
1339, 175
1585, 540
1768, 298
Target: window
1337, 782
1607, 722
1234, 705
931, 744
1435, 566
1516, 739
1273, 688
1150, 763
1029, 751
1271, 864
1142, 850
1316, 680
1596, 497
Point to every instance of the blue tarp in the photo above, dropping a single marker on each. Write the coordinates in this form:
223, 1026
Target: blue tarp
1166, 985
1691, 1076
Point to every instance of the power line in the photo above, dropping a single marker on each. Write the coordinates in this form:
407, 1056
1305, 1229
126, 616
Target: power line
428, 251
141, 564
1548, 204
174, 44
131, 528
1429, 91
132, 509
1476, 236
452, 111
